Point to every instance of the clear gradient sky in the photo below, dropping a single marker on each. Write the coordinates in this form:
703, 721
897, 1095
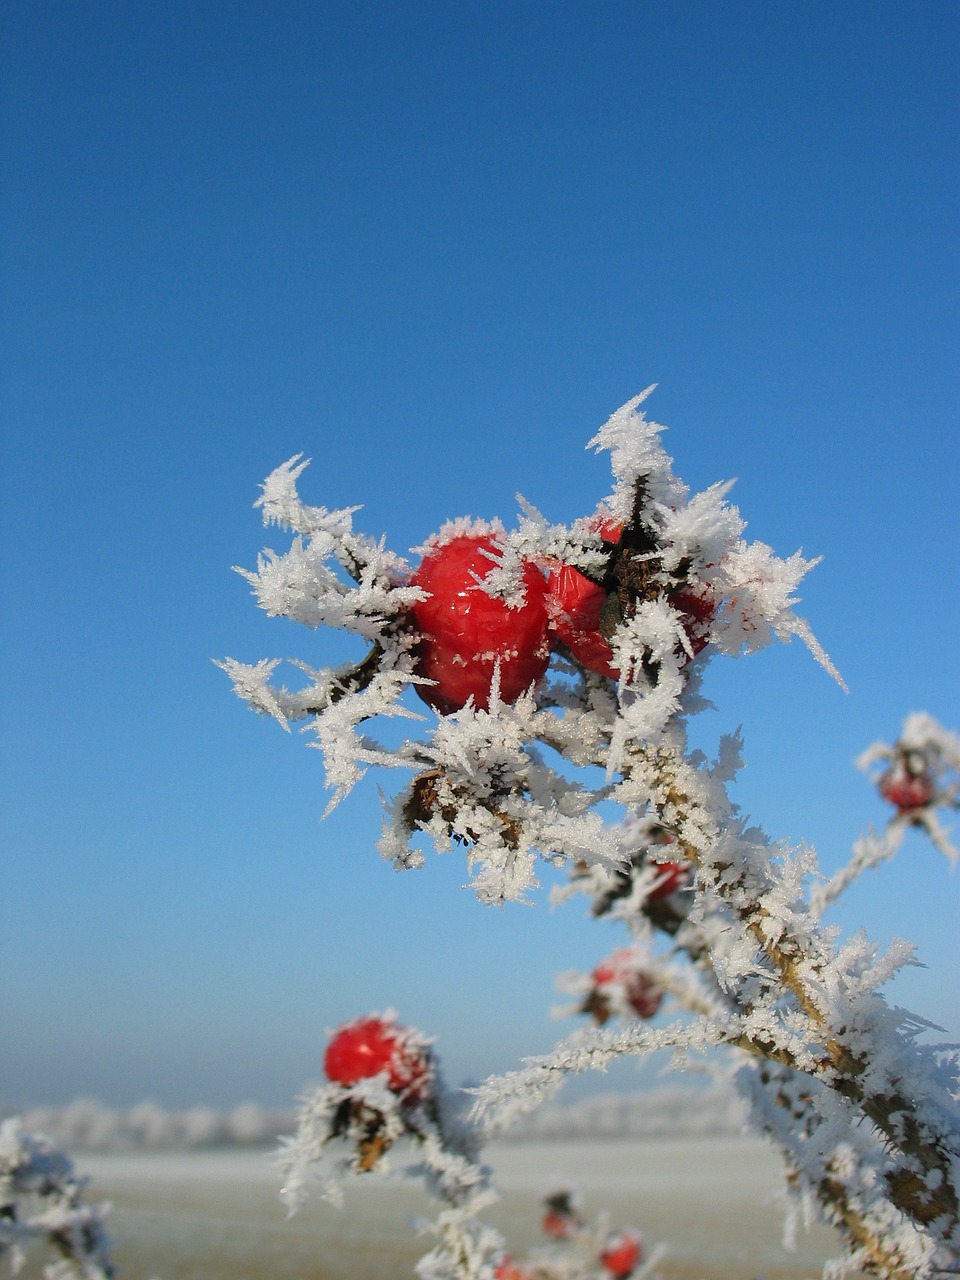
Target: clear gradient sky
433, 246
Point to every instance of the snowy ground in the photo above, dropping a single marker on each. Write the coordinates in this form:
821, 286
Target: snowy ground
216, 1216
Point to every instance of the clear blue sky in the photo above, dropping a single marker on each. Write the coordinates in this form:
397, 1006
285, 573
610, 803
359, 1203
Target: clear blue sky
433, 246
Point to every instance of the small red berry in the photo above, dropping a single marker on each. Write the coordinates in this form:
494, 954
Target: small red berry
642, 993
369, 1046
671, 876
465, 632
558, 1226
508, 1270
907, 790
622, 1253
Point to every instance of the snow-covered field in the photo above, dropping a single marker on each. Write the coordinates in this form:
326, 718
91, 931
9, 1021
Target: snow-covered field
216, 1215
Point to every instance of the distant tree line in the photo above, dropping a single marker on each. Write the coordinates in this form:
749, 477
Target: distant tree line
671, 1111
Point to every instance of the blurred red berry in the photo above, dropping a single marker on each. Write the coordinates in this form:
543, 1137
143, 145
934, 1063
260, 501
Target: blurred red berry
369, 1046
508, 1270
643, 995
640, 990
558, 1226
622, 1253
464, 631
905, 789
671, 876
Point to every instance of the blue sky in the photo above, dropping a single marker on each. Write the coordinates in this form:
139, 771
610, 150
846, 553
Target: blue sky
433, 246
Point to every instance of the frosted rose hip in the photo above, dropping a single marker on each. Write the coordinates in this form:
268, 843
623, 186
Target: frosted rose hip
622, 1254
575, 605
465, 631
671, 876
510, 1270
907, 790
640, 991
369, 1046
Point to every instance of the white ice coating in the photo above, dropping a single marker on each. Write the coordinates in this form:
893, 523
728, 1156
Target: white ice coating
42, 1204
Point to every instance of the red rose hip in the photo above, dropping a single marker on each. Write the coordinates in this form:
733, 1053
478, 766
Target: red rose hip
558, 1226
575, 604
696, 609
671, 876
465, 632
907, 790
642, 993
622, 1253
510, 1270
370, 1046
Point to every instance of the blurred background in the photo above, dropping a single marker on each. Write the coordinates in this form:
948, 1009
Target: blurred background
433, 247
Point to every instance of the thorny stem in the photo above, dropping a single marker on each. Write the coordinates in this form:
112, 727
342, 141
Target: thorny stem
831, 1191
841, 1069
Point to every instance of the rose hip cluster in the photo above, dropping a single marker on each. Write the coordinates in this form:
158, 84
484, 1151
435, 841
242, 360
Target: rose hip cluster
469, 637
618, 1252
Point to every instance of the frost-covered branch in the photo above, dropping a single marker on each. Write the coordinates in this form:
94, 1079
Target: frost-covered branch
41, 1200
919, 775
588, 640
385, 1094
501, 1099
834, 1027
